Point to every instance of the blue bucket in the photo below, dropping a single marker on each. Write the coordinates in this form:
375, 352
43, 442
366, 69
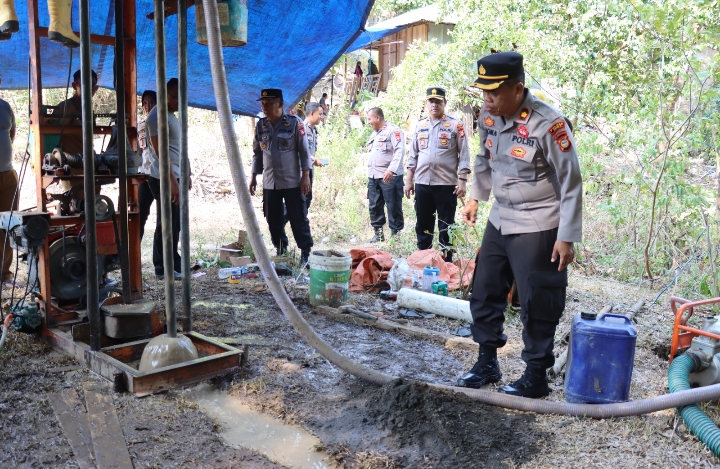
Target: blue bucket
600, 359
233, 22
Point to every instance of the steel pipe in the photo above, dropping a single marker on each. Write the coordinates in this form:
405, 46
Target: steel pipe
184, 165
124, 241
93, 294
163, 155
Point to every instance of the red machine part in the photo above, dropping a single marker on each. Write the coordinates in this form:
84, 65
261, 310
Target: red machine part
682, 333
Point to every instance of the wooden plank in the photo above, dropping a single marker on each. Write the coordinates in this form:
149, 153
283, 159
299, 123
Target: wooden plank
109, 444
384, 324
73, 421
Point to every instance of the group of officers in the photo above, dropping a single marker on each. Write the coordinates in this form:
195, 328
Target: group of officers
528, 160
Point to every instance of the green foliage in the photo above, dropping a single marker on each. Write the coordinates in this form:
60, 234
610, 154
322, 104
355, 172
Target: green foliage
338, 189
639, 82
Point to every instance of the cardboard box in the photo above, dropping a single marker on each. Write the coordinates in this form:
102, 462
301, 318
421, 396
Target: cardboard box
236, 249
241, 261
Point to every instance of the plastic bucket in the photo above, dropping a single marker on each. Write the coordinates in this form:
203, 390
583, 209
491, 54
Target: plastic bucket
329, 277
233, 22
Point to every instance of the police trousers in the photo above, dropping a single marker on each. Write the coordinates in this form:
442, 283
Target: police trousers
158, 252
381, 195
526, 258
428, 201
279, 203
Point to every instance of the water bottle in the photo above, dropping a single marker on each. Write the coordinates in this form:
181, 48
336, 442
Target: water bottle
430, 275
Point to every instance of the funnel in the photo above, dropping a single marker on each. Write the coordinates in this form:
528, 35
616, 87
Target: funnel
165, 351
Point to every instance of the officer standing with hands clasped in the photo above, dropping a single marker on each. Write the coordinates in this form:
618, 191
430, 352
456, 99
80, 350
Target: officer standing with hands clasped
528, 158
280, 154
438, 164
386, 148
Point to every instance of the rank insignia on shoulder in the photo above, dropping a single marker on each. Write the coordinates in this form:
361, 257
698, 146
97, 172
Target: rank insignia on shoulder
523, 116
523, 131
489, 143
489, 121
518, 152
564, 142
556, 127
446, 124
301, 129
461, 130
397, 135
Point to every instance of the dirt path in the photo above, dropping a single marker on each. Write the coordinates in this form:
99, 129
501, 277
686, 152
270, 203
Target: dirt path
361, 426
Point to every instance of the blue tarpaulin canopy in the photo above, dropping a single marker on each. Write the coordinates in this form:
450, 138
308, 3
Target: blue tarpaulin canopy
428, 14
290, 46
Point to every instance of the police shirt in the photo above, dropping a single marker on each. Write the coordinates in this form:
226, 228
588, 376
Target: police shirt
280, 152
530, 162
439, 152
311, 135
386, 148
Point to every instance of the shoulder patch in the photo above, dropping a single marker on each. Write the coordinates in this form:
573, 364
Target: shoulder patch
301, 128
556, 127
461, 130
397, 135
563, 141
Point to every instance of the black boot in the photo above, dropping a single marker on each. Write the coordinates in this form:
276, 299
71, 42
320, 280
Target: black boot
379, 236
394, 232
533, 383
485, 371
304, 256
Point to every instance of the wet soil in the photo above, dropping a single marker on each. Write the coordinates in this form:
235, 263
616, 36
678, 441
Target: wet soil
400, 425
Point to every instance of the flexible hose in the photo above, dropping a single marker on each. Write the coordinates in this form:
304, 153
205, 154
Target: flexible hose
697, 421
6, 326
222, 99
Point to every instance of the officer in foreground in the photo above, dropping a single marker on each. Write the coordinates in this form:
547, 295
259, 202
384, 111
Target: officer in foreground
280, 154
438, 168
386, 148
529, 160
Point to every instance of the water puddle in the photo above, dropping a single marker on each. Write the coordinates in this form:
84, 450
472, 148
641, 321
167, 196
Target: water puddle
242, 426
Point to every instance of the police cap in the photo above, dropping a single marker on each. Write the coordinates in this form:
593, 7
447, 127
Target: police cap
270, 93
494, 69
435, 93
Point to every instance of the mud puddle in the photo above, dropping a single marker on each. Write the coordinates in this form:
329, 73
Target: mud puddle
244, 427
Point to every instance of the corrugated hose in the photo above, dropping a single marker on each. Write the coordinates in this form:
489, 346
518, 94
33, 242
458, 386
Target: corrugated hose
601, 411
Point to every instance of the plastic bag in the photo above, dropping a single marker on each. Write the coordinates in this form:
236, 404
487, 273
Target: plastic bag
398, 274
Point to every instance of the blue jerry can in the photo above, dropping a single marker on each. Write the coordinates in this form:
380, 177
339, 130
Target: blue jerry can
600, 359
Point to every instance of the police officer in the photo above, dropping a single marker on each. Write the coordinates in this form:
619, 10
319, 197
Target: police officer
438, 168
528, 159
386, 148
280, 154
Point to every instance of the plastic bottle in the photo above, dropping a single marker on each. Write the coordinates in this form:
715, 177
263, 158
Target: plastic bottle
430, 275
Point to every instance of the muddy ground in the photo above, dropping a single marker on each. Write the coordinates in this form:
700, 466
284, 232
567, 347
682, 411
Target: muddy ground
400, 425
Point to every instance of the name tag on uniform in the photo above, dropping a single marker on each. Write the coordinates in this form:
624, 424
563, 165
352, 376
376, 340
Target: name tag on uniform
521, 153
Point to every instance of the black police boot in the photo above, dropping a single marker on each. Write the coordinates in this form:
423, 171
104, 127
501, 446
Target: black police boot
281, 249
533, 383
394, 232
379, 236
485, 371
304, 256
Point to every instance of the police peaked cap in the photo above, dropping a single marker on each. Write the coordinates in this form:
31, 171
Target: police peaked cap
435, 93
494, 69
270, 93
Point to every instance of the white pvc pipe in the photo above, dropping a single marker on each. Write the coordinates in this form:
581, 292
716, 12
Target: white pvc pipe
436, 304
